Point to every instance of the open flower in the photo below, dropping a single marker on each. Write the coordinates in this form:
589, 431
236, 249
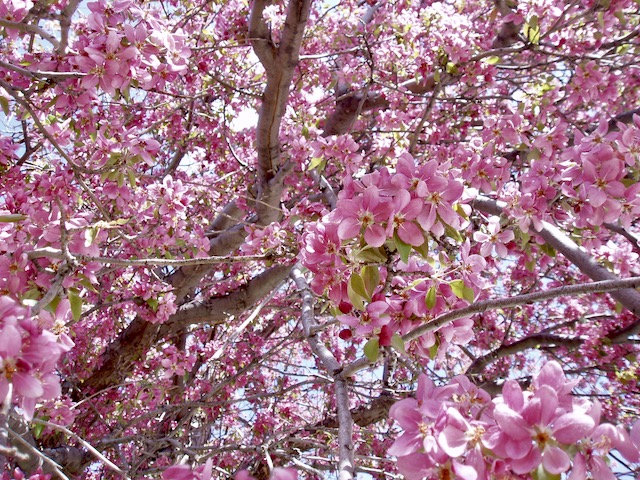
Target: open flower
366, 212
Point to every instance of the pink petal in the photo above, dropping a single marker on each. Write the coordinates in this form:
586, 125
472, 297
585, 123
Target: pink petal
579, 469
405, 412
555, 460
552, 375
416, 465
465, 472
10, 341
411, 234
635, 434
511, 422
517, 449
528, 463
573, 426
27, 385
625, 446
595, 196
544, 405
600, 469
375, 235
406, 444
512, 394
178, 472
284, 474
348, 228
452, 441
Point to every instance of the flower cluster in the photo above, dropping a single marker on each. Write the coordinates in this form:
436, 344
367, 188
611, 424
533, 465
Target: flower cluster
204, 472
29, 352
456, 431
398, 210
17, 474
121, 48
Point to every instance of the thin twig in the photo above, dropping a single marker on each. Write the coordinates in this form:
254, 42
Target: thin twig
85, 444
48, 252
345, 420
494, 304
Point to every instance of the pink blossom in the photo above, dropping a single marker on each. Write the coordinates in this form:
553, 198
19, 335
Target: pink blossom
495, 239
364, 213
404, 210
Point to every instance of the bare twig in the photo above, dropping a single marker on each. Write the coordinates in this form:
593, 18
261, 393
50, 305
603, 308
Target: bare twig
99, 456
345, 420
48, 252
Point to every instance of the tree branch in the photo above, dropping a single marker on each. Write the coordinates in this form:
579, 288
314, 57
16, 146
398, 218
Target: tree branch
564, 291
533, 341
139, 335
345, 420
628, 297
217, 309
121, 354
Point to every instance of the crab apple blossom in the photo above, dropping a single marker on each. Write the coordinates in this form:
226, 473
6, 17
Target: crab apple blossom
302, 239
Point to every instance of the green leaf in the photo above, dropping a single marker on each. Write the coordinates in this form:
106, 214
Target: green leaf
468, 294
357, 285
132, 177
53, 304
462, 291
430, 298
354, 298
423, 249
452, 68
90, 235
397, 342
457, 287
433, 349
75, 302
452, 233
459, 209
371, 254
622, 49
317, 162
548, 250
371, 277
86, 283
523, 236
153, 303
404, 249
32, 294
531, 30
38, 428
12, 218
4, 103
372, 349
492, 60
534, 154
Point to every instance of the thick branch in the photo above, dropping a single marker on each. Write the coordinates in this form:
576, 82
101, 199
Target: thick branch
48, 252
564, 291
279, 67
628, 297
259, 33
533, 341
218, 309
132, 343
140, 335
350, 104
